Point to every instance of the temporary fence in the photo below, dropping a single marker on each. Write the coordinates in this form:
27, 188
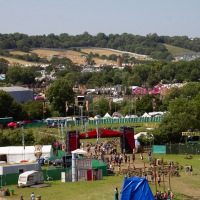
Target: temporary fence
12, 179
119, 120
51, 122
183, 149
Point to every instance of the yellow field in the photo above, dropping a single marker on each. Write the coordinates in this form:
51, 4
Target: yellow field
74, 56
18, 53
17, 61
100, 52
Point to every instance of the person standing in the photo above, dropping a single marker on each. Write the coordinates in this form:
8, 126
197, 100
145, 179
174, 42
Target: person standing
21, 198
190, 169
32, 196
133, 157
116, 194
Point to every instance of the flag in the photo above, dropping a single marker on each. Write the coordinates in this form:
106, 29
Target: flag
110, 104
66, 106
44, 107
86, 105
154, 104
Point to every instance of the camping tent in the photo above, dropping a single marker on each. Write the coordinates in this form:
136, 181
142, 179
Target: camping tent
12, 124
135, 188
79, 151
19, 153
107, 116
117, 114
97, 117
146, 115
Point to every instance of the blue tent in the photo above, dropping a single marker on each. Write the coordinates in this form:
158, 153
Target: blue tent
135, 188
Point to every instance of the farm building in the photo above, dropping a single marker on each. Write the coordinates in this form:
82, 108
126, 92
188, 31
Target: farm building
15, 154
20, 94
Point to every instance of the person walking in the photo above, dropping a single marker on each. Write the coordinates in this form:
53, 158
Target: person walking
32, 196
116, 197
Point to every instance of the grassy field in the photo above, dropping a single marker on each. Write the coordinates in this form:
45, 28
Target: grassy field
185, 187
178, 50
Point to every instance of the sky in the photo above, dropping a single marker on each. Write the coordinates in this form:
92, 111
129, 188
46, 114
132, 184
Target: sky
137, 17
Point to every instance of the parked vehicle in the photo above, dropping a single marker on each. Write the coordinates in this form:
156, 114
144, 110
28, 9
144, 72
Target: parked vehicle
57, 162
29, 178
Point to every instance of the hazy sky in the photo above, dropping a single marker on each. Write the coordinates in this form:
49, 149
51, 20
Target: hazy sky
138, 17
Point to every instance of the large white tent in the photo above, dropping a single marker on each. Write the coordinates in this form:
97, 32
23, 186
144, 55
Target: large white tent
18, 153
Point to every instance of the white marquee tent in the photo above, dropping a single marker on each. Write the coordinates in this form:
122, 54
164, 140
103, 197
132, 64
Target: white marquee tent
19, 153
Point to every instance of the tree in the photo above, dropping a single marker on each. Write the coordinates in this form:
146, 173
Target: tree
14, 74
3, 66
145, 104
59, 93
46, 139
14, 137
101, 106
182, 116
34, 110
5, 103
16, 111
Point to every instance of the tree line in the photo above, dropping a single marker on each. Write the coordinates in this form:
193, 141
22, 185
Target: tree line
148, 74
152, 44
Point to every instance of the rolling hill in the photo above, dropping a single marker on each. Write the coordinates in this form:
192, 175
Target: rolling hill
74, 56
177, 50
79, 57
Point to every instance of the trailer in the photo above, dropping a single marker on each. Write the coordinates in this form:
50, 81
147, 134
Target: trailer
30, 178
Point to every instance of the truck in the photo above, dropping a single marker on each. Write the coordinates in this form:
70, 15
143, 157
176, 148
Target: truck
29, 178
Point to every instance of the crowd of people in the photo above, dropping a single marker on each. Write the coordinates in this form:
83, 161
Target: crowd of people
164, 195
108, 151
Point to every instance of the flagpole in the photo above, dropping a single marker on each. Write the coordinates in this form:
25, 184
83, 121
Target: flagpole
67, 132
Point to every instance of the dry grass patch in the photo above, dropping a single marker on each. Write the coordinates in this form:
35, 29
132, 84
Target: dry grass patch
14, 61
18, 53
100, 52
46, 53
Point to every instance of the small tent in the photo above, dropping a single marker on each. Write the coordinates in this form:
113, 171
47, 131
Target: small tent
107, 116
135, 188
97, 117
117, 114
146, 115
12, 124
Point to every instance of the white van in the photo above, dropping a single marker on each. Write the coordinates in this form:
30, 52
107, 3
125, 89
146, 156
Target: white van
30, 178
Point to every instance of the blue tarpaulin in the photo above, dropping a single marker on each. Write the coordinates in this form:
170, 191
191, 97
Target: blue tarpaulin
136, 188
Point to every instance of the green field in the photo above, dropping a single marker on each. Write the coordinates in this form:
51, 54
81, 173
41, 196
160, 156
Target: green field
177, 50
183, 186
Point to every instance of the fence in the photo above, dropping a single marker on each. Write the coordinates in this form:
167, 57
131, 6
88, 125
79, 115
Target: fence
183, 149
122, 120
96, 121
12, 179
